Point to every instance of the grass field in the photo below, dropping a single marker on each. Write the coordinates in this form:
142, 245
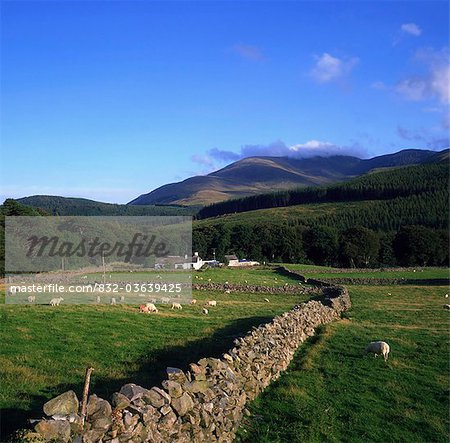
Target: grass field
332, 393
319, 272
45, 350
265, 277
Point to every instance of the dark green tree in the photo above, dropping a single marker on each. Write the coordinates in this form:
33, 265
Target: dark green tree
416, 245
321, 245
359, 247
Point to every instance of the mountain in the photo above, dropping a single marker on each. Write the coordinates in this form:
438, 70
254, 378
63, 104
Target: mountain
56, 205
256, 175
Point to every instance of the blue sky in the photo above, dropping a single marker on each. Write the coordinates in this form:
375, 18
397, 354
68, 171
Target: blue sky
111, 99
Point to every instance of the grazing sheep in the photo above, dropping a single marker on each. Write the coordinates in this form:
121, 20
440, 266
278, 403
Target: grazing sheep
378, 348
122, 298
165, 300
446, 306
205, 311
267, 300
113, 301
56, 301
176, 306
446, 295
151, 307
227, 291
389, 293
211, 303
153, 300
31, 298
98, 299
193, 301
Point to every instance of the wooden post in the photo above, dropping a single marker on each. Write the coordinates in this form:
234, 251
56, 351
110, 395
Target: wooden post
87, 380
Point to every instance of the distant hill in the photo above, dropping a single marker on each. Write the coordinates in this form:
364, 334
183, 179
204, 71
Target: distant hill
381, 184
56, 205
256, 175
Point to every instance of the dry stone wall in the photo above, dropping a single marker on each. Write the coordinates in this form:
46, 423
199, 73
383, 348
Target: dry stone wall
205, 403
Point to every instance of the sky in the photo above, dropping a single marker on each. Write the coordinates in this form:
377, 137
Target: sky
111, 99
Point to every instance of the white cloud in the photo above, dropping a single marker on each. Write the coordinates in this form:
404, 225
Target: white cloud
413, 89
248, 52
434, 84
329, 68
411, 29
308, 149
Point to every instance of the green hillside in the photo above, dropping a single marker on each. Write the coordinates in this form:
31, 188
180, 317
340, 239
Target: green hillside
55, 205
380, 185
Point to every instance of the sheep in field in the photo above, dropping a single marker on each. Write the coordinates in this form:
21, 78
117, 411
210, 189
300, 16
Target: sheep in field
446, 306
98, 299
211, 303
378, 348
176, 306
446, 295
113, 301
267, 300
205, 311
56, 301
31, 298
151, 307
193, 301
122, 298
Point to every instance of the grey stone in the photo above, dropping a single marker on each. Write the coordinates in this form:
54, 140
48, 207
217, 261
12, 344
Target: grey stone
173, 388
183, 404
165, 410
64, 404
54, 430
132, 391
98, 407
167, 421
120, 401
176, 374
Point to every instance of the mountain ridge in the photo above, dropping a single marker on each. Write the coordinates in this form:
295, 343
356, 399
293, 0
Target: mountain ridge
253, 175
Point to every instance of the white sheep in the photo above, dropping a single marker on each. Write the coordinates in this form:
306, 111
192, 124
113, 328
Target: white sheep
98, 299
378, 348
205, 311
176, 306
122, 298
267, 300
151, 307
211, 303
165, 300
193, 301
113, 301
446, 306
56, 301
227, 291
31, 298
446, 295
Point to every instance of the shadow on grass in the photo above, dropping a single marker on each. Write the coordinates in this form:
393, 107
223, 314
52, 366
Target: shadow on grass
151, 372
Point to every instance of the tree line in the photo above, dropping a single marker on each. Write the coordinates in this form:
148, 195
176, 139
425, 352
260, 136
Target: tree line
356, 246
